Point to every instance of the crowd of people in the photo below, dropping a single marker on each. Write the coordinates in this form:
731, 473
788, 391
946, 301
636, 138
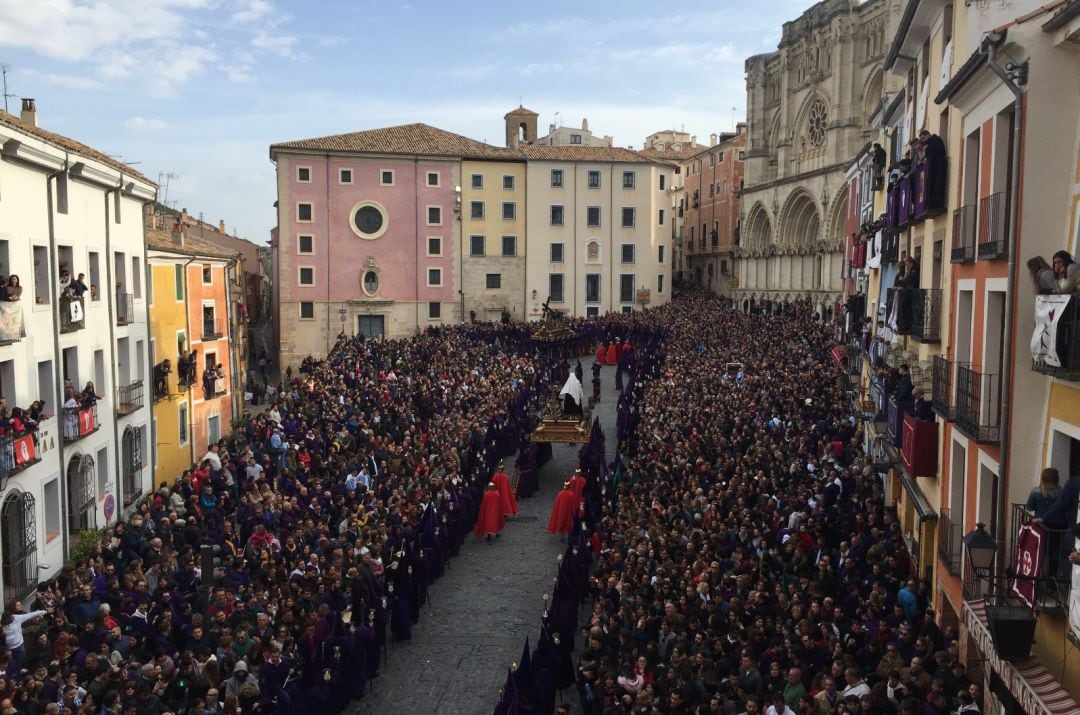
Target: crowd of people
744, 557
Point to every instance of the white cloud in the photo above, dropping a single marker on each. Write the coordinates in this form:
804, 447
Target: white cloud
146, 124
279, 44
538, 68
64, 81
249, 11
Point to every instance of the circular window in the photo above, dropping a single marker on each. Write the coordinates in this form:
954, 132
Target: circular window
368, 220
817, 120
370, 282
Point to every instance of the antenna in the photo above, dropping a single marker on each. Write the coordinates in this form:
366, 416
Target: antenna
557, 119
4, 72
163, 180
734, 124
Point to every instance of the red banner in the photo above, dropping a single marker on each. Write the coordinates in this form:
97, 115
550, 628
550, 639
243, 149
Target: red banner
86, 421
1030, 544
24, 449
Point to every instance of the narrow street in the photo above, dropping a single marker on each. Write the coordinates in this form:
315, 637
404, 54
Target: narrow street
487, 604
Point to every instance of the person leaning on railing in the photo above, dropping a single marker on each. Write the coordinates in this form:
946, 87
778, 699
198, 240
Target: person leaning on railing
1061, 515
1062, 277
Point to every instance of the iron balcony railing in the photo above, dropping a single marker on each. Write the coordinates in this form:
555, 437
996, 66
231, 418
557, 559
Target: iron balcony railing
950, 542
890, 247
993, 238
211, 329
1053, 580
926, 315
125, 309
17, 452
72, 315
963, 236
978, 404
79, 422
129, 398
1061, 359
929, 197
941, 388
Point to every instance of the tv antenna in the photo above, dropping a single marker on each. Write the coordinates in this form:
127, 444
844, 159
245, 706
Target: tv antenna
7, 95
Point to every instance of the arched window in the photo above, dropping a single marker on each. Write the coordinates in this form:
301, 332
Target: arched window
19, 552
132, 464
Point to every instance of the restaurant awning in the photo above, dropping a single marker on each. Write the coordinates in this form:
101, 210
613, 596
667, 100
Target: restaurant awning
1033, 686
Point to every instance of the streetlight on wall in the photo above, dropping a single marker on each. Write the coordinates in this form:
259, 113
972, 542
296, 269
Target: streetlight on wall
1012, 627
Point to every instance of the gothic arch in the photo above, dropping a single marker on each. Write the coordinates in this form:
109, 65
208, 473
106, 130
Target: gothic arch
801, 137
800, 221
774, 138
759, 232
872, 93
834, 231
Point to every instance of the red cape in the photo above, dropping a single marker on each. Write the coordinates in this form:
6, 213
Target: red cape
506, 494
612, 354
490, 520
577, 484
601, 354
562, 514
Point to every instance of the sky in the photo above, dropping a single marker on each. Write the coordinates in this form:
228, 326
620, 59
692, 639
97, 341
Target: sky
199, 89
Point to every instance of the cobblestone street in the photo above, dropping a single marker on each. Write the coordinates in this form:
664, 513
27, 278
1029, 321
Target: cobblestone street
489, 601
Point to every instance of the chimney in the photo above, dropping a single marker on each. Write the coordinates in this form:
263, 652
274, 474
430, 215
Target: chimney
693, 139
551, 128
585, 124
221, 226
177, 236
29, 111
712, 139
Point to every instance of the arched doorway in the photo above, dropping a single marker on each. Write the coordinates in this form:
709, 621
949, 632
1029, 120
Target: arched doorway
19, 547
82, 496
131, 454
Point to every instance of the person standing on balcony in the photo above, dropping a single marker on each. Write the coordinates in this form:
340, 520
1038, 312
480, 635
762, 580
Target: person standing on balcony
1061, 515
1067, 273
78, 286
1043, 496
933, 150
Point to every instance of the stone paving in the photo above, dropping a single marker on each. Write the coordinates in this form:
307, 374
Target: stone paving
486, 604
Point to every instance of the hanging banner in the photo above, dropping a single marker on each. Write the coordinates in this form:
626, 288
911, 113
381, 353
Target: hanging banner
86, 421
1029, 558
24, 449
12, 327
75, 308
1048, 312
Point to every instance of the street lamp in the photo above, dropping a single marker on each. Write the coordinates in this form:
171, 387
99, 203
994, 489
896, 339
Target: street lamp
981, 548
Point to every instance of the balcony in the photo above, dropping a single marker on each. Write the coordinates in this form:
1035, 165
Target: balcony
214, 388
900, 302
941, 388
904, 208
926, 315
211, 330
72, 315
1057, 349
950, 541
930, 182
963, 234
992, 229
919, 450
125, 309
79, 422
890, 248
1053, 577
894, 418
17, 453
129, 398
978, 404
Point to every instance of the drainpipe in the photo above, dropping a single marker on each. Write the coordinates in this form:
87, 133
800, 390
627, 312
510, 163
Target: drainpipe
112, 346
186, 394
236, 397
57, 356
1007, 78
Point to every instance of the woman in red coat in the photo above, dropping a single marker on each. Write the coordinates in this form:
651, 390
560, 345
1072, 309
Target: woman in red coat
562, 514
490, 520
506, 492
613, 352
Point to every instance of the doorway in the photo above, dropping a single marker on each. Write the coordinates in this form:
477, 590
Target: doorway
371, 326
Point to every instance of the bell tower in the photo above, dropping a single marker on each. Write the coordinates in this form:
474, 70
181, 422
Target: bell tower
520, 126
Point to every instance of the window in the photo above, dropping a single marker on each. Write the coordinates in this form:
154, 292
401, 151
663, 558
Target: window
303, 174
303, 212
660, 256
434, 310
182, 423
307, 276
178, 278
663, 181
434, 246
626, 288
592, 214
476, 245
95, 274
556, 253
368, 220
509, 245
213, 429
629, 179
386, 177
434, 277
575, 138
478, 181
136, 277
433, 178
660, 283
592, 312
592, 287
628, 253
660, 217
555, 287
305, 243
556, 178
628, 216
720, 158
42, 279
45, 384
493, 281
508, 182
594, 179
434, 215
371, 283
307, 310
509, 210
476, 209
345, 176
207, 275
627, 309
556, 215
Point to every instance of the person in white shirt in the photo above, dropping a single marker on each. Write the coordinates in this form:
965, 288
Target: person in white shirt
212, 455
13, 635
855, 684
778, 706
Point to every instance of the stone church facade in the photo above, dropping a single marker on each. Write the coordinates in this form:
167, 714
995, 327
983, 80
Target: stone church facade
809, 106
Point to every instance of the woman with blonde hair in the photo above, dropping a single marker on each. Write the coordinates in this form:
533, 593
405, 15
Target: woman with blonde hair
1043, 496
